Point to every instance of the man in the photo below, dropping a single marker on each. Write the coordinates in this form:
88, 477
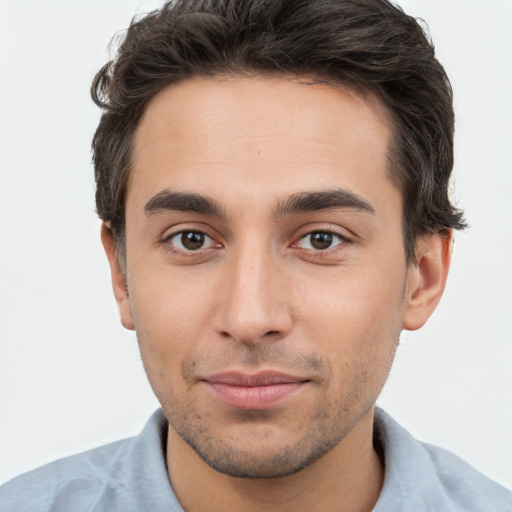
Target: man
272, 177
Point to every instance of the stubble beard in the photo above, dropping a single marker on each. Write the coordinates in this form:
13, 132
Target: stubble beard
233, 459
313, 437
332, 418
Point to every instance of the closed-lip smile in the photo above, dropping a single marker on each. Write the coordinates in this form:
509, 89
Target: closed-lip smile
261, 390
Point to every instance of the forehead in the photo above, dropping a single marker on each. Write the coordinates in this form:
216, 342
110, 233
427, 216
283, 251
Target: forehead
263, 135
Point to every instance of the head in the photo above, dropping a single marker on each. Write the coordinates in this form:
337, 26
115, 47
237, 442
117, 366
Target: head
273, 181
370, 46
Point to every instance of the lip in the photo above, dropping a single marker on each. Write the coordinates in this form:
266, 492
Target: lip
258, 391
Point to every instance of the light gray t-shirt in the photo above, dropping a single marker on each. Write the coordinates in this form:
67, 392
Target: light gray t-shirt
131, 475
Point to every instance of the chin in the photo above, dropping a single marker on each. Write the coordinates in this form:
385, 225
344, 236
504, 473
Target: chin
265, 459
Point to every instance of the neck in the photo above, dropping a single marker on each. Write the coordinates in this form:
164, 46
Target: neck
348, 478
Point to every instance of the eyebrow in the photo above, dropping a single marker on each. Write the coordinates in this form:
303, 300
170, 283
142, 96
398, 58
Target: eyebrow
183, 202
323, 200
301, 202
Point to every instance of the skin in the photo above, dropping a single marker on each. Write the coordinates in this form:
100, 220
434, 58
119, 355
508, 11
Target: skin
259, 293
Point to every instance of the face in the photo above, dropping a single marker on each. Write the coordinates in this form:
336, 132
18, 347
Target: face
265, 267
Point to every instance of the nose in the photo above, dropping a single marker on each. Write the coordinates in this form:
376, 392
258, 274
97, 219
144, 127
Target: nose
253, 303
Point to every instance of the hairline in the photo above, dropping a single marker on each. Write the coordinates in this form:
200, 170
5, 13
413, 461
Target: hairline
371, 95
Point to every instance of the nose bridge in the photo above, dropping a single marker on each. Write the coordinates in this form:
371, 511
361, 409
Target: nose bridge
252, 305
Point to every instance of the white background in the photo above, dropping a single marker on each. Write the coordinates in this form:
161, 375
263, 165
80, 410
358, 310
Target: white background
71, 377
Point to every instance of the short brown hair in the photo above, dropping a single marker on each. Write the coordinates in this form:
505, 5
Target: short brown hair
370, 45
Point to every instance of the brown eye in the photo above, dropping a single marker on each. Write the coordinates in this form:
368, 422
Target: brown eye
192, 240
320, 240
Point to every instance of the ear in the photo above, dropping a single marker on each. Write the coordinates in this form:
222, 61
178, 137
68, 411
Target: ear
118, 279
426, 279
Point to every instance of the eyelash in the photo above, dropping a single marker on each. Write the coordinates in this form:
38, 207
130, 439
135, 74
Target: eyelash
311, 252
183, 252
322, 253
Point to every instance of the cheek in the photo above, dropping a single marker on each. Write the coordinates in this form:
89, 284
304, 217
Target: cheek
355, 320
168, 305
354, 302
170, 318
357, 338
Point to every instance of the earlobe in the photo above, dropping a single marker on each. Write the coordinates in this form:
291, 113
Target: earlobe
118, 279
426, 279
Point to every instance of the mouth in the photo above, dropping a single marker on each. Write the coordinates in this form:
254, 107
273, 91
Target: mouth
258, 391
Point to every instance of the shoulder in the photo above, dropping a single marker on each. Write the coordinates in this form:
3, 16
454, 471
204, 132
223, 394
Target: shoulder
80, 478
465, 485
426, 477
128, 475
